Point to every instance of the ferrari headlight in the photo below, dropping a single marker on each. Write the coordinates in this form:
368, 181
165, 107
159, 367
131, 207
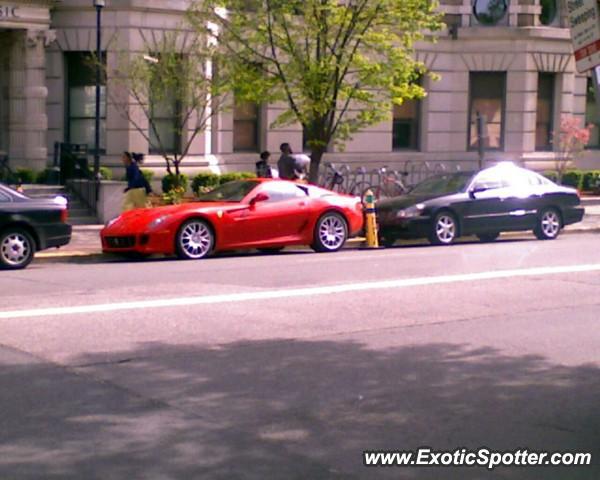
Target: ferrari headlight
410, 212
113, 221
157, 222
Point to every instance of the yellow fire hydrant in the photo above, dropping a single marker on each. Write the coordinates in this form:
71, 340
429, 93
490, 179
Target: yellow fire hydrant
370, 220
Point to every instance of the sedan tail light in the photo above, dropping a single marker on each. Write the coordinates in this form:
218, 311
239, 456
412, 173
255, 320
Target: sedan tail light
64, 215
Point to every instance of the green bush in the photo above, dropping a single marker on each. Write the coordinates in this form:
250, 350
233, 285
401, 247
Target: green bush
105, 173
171, 181
550, 175
590, 180
207, 181
47, 176
230, 177
572, 178
26, 175
204, 181
148, 174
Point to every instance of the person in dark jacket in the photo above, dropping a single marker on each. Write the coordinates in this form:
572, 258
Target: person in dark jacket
263, 170
137, 186
286, 163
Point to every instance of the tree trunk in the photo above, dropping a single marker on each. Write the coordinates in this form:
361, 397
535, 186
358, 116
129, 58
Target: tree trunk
315, 162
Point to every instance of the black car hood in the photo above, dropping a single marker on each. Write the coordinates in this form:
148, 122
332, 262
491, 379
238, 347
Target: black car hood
404, 201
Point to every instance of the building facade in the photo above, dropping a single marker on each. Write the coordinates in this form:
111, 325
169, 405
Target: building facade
510, 60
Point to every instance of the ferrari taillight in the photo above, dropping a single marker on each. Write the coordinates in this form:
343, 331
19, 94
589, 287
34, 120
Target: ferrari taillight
64, 215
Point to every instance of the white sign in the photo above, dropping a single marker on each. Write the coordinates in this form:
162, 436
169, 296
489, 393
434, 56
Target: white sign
585, 32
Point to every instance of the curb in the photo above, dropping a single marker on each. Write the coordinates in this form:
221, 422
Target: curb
353, 243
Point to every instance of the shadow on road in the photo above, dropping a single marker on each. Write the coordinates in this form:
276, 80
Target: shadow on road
288, 410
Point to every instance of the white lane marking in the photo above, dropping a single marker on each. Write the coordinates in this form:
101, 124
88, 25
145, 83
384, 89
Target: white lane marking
298, 292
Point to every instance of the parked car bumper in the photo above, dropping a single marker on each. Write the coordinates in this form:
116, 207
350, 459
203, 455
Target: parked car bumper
417, 227
56, 235
144, 243
573, 215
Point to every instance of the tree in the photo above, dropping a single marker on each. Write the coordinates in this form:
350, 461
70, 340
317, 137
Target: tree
572, 139
340, 66
167, 92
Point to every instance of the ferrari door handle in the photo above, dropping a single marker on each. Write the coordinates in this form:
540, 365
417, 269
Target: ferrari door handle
302, 204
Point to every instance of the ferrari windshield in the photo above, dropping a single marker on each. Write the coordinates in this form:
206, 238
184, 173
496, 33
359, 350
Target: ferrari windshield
229, 192
443, 184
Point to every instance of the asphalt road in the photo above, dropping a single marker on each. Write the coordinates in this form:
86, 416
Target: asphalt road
288, 366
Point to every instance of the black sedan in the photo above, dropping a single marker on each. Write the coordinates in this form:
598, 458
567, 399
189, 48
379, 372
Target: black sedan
497, 199
28, 225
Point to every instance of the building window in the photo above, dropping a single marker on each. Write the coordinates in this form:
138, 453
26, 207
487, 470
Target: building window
591, 117
545, 112
405, 127
245, 127
489, 12
549, 11
487, 92
165, 124
81, 101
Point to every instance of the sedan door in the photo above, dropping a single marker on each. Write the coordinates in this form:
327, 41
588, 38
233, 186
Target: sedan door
524, 199
488, 209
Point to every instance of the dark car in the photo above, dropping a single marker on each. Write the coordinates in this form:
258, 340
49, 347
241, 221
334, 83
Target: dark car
28, 225
497, 199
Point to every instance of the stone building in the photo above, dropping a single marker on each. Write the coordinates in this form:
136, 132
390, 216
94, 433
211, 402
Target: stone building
510, 60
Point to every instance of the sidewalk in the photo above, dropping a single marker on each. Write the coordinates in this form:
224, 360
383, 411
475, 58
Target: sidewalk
85, 241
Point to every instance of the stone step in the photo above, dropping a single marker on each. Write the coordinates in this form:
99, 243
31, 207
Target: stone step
83, 220
80, 212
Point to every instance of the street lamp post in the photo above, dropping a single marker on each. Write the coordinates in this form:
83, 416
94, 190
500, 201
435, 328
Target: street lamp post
98, 4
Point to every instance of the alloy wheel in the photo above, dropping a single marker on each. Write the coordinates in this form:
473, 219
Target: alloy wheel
332, 232
445, 229
195, 240
16, 249
550, 223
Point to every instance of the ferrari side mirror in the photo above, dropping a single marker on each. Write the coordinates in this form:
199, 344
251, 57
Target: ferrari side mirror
260, 197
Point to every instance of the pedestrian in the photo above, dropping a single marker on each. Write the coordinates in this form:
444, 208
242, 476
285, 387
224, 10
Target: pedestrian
263, 170
137, 185
287, 163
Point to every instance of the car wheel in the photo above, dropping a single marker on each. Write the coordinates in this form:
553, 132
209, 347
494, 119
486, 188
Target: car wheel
16, 249
331, 233
549, 225
195, 240
488, 237
444, 229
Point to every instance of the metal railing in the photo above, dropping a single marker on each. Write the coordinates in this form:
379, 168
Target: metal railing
384, 182
72, 160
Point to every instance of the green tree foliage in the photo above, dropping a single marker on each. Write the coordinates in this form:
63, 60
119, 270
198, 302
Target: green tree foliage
172, 74
339, 65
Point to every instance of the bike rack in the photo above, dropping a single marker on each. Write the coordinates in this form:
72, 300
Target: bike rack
410, 174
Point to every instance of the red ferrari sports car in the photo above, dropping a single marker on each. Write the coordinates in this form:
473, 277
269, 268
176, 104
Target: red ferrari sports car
266, 214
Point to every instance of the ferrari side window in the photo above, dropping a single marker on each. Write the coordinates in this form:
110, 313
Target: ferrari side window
4, 197
280, 191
